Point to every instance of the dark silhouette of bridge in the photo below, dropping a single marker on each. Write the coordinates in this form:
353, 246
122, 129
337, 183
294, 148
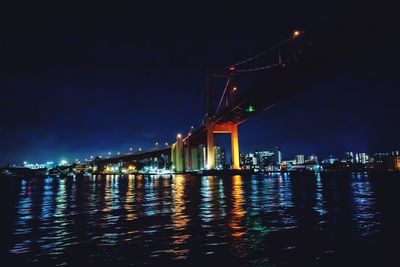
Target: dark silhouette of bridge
290, 71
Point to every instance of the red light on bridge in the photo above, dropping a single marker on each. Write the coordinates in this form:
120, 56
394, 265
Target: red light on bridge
234, 89
232, 68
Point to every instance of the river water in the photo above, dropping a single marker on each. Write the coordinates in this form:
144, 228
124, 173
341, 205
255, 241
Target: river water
263, 220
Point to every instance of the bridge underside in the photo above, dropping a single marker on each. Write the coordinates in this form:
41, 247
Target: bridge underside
149, 161
277, 84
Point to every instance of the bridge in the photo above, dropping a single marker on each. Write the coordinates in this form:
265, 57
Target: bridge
282, 77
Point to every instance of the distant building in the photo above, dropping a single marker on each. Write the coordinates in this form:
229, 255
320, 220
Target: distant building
299, 159
249, 162
350, 157
268, 158
312, 159
219, 157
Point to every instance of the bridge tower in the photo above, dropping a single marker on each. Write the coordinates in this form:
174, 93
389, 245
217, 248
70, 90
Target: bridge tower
214, 126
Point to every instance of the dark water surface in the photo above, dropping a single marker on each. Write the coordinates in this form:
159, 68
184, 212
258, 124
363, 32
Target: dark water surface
266, 220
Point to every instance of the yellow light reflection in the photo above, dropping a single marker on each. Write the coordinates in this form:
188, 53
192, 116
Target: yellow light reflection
237, 206
180, 219
129, 199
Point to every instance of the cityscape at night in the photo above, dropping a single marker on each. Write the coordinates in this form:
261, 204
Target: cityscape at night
204, 133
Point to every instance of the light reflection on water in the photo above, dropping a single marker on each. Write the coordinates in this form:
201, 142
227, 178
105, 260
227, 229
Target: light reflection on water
180, 218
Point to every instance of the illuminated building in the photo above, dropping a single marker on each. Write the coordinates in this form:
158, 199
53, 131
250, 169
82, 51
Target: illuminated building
299, 159
219, 157
350, 157
268, 159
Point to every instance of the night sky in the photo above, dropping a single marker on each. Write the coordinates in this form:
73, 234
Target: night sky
85, 80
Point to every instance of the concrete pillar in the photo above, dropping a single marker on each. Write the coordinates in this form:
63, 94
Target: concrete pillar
210, 148
194, 152
179, 165
235, 148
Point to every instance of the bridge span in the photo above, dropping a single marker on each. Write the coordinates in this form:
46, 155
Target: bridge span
291, 71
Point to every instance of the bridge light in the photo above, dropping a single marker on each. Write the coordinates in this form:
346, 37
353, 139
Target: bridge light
179, 136
250, 108
140, 149
296, 34
232, 68
91, 157
109, 153
118, 153
166, 144
130, 149
234, 89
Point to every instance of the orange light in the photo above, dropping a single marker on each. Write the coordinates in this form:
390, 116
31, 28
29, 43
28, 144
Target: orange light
131, 167
296, 34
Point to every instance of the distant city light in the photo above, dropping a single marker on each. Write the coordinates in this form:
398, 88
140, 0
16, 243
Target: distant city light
63, 162
109, 153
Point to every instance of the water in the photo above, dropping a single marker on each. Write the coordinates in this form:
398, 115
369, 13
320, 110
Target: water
266, 220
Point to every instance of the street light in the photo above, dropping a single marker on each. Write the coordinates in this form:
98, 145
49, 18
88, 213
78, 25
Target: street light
296, 34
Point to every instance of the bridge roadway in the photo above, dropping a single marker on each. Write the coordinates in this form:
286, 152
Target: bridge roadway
135, 159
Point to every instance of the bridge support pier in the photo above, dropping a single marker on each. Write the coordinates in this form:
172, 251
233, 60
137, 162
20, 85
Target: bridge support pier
210, 148
227, 128
235, 147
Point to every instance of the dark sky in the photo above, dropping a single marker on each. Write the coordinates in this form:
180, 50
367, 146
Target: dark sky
83, 80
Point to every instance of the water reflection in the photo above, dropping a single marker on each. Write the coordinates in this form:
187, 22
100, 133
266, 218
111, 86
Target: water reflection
138, 219
237, 207
179, 217
24, 215
364, 214
129, 200
319, 197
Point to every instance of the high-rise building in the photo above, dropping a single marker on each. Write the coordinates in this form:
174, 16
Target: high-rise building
299, 159
219, 157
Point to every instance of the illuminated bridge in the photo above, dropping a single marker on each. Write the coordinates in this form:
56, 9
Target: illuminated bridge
291, 67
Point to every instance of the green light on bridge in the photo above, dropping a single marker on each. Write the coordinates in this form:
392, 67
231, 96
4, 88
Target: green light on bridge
250, 108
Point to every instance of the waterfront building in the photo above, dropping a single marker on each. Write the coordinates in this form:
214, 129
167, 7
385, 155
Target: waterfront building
299, 159
219, 157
